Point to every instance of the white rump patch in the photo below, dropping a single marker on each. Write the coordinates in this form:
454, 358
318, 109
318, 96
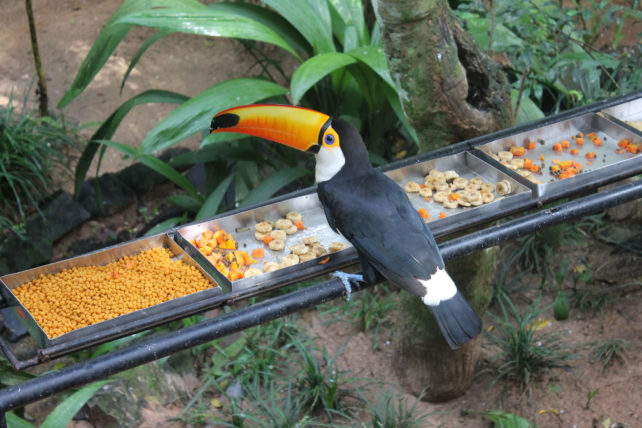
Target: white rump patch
439, 287
329, 162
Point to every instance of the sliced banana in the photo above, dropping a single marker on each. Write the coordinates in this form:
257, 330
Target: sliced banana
270, 267
503, 188
450, 175
336, 246
440, 197
460, 183
293, 216
312, 239
252, 272
283, 223
412, 187
277, 244
299, 249
263, 227
259, 236
425, 192
278, 234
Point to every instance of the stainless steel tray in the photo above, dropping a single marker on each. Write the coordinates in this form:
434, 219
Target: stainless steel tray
628, 114
467, 166
100, 257
241, 227
619, 165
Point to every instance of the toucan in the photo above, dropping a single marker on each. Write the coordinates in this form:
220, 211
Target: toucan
365, 206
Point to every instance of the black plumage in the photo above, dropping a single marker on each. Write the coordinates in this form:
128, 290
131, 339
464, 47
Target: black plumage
372, 212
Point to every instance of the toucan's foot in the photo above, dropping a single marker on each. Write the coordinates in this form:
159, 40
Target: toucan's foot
346, 278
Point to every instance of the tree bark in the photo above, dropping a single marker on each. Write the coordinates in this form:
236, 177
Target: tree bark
423, 360
450, 90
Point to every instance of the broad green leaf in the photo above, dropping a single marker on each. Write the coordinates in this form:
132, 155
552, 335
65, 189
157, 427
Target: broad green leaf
65, 411
213, 201
186, 202
165, 225
528, 110
153, 39
311, 18
270, 19
217, 152
15, 421
351, 13
157, 165
375, 58
506, 420
109, 126
395, 104
315, 69
196, 114
205, 22
272, 184
109, 38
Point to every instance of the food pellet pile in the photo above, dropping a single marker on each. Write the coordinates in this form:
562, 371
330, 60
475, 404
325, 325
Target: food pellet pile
81, 296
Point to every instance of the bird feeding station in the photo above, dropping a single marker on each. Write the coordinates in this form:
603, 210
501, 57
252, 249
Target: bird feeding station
512, 171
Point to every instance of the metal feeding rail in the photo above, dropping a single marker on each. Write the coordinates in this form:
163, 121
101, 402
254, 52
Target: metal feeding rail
469, 157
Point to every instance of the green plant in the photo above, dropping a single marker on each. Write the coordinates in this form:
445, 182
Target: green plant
369, 311
526, 351
344, 73
502, 419
553, 58
64, 412
391, 411
589, 396
34, 153
319, 381
607, 352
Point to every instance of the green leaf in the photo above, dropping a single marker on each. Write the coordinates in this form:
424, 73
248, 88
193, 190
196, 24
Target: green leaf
315, 69
351, 13
109, 126
15, 421
186, 202
205, 21
506, 420
153, 39
157, 165
375, 58
167, 224
311, 18
213, 201
196, 114
270, 19
108, 40
528, 110
272, 184
217, 152
65, 411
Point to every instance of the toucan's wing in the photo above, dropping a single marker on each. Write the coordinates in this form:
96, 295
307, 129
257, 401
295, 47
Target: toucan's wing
375, 215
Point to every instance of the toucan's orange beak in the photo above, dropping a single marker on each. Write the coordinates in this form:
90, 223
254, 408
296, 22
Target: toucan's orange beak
297, 127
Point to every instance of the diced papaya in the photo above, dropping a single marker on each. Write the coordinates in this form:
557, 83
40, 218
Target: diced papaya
517, 151
258, 253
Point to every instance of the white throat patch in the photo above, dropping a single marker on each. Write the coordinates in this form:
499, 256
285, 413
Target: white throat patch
439, 287
329, 162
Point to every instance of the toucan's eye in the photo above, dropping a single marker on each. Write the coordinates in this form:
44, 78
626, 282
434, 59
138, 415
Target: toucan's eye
329, 139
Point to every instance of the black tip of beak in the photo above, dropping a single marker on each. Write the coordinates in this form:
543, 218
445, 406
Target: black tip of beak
226, 120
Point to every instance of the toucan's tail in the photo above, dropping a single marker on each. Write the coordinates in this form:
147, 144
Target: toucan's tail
457, 320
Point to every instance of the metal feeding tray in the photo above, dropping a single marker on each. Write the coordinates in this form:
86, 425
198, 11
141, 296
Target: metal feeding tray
628, 114
606, 166
467, 166
119, 325
241, 227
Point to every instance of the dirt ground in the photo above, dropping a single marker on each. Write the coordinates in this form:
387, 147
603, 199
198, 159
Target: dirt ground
188, 65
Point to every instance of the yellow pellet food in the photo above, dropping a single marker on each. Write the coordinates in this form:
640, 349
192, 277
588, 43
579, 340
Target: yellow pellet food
81, 296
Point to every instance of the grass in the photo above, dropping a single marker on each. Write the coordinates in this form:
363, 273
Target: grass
34, 153
526, 350
390, 410
369, 311
609, 351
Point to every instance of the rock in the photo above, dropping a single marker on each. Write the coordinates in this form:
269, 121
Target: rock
59, 216
114, 195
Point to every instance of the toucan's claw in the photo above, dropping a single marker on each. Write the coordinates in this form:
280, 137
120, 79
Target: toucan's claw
346, 278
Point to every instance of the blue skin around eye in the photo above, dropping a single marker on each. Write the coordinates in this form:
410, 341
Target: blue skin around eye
329, 139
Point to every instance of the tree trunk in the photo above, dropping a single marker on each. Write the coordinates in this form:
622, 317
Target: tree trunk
450, 90
423, 360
